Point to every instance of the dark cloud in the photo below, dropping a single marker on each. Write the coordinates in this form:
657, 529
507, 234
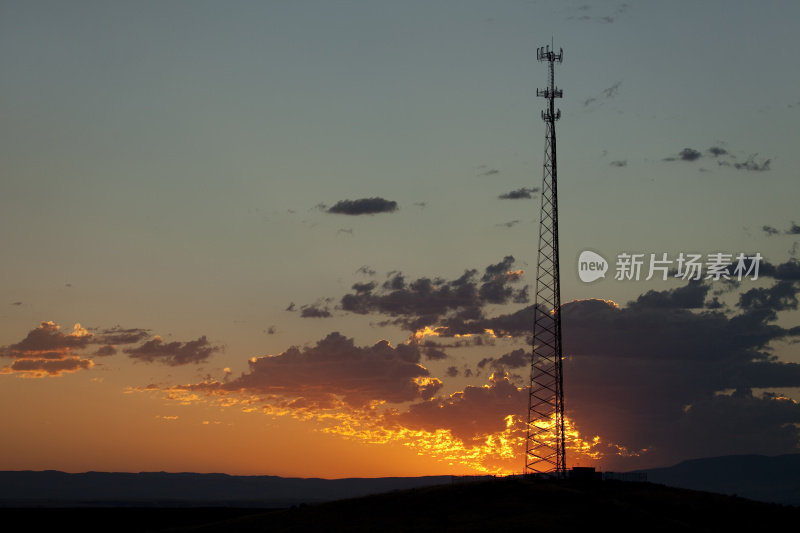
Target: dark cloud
687, 154
612, 91
452, 372
752, 165
793, 229
425, 301
363, 206
716, 151
620, 163
337, 369
311, 311
173, 353
691, 296
509, 224
587, 16
635, 374
290, 307
659, 367
106, 350
434, 354
490, 172
47, 367
16, 303
120, 335
470, 414
790, 270
779, 297
517, 194
605, 94
271, 330
515, 359
367, 271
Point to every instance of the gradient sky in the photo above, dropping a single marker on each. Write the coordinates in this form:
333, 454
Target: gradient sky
167, 174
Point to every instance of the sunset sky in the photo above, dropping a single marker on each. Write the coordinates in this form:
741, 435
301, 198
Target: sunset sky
189, 281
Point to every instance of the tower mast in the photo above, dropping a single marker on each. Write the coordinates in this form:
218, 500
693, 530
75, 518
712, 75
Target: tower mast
545, 444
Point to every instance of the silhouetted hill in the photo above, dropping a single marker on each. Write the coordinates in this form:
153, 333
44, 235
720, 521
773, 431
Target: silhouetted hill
526, 504
758, 477
162, 489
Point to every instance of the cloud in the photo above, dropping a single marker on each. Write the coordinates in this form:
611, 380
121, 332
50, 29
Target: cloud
586, 16
425, 301
366, 270
691, 296
47, 351
311, 311
515, 359
724, 158
173, 353
47, 367
790, 270
663, 379
106, 350
612, 91
120, 335
794, 229
490, 172
716, 151
49, 342
779, 297
620, 163
636, 374
605, 94
752, 165
434, 354
687, 154
517, 194
16, 303
363, 206
470, 415
509, 224
336, 369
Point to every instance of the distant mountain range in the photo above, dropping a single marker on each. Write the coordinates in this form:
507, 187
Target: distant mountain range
768, 479
757, 477
161, 489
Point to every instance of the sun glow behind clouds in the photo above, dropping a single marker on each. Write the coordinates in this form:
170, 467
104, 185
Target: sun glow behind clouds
498, 452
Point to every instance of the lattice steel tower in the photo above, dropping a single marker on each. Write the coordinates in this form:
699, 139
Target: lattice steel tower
544, 450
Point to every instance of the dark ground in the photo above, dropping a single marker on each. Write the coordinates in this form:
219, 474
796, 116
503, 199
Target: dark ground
474, 506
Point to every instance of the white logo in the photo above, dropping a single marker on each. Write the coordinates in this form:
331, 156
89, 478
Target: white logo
591, 266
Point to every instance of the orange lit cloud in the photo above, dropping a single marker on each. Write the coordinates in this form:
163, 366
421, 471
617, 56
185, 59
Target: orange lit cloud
46, 351
381, 394
38, 368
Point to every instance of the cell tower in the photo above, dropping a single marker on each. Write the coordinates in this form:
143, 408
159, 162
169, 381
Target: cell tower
544, 449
